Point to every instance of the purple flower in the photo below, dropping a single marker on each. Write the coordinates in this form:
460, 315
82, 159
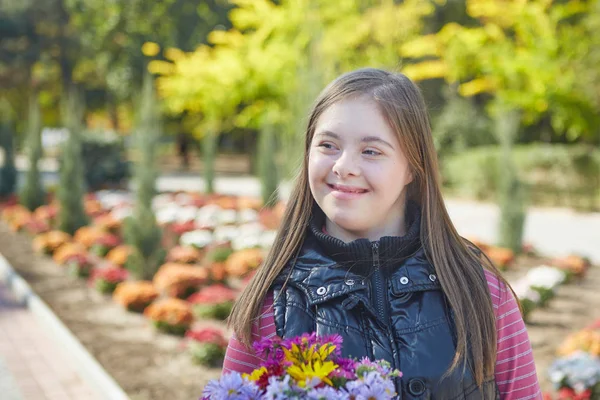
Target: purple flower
269, 349
231, 387
327, 393
371, 386
278, 389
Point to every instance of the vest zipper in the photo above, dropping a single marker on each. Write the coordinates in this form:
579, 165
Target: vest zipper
380, 288
380, 293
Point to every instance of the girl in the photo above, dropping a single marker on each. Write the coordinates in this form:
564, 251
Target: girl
367, 250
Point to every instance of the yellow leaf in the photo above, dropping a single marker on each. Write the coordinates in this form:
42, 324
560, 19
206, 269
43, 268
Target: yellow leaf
476, 86
426, 70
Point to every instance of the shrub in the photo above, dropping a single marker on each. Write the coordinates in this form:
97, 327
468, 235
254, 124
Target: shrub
213, 301
105, 280
104, 159
556, 175
207, 346
171, 316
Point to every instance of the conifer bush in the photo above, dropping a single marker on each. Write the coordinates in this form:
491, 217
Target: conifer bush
32, 193
8, 171
141, 230
71, 190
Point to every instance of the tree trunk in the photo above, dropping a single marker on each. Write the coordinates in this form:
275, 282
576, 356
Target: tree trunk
511, 191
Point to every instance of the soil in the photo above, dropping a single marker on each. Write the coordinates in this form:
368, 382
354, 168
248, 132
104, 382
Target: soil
149, 365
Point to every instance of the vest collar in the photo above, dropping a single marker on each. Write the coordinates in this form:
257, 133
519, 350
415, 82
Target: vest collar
358, 254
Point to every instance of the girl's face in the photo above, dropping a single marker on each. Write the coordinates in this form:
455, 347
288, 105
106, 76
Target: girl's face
357, 171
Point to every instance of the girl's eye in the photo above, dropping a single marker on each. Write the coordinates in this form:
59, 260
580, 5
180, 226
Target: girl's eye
372, 152
328, 146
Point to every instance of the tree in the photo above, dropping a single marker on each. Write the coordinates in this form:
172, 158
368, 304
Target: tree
141, 229
522, 59
8, 171
32, 194
71, 189
258, 68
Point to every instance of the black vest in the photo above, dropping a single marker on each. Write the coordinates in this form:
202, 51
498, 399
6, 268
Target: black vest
385, 300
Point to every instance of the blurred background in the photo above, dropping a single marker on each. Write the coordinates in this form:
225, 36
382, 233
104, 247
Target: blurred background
209, 99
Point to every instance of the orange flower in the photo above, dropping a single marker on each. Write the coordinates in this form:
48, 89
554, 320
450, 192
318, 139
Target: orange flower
92, 207
184, 255
243, 261
254, 203
119, 255
176, 279
502, 257
135, 295
108, 222
46, 213
586, 340
170, 311
88, 235
50, 241
575, 264
68, 251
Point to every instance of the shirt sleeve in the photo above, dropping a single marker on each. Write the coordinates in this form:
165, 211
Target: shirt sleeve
239, 358
515, 374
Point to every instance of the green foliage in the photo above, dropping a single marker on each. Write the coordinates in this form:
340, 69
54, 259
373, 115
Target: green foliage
532, 56
209, 354
104, 159
219, 254
141, 229
460, 126
71, 189
554, 174
8, 171
32, 193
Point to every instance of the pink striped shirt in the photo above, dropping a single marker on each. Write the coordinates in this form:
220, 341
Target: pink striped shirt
515, 369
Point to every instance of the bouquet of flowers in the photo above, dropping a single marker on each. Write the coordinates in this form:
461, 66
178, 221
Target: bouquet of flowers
306, 367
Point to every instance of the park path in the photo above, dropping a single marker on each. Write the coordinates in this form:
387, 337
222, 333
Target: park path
33, 366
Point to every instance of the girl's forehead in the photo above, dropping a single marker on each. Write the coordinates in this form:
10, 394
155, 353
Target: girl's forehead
354, 117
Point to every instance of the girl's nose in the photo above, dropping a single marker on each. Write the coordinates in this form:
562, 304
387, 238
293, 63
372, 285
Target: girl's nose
345, 166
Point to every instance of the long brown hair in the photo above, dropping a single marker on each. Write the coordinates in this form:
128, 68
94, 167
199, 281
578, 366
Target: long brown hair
457, 266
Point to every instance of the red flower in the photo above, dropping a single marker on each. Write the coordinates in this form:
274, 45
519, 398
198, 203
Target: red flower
110, 274
179, 228
570, 394
214, 294
207, 335
108, 240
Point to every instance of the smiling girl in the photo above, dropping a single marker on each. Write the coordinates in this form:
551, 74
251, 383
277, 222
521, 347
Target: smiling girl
367, 250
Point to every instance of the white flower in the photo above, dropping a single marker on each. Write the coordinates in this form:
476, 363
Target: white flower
226, 233
248, 215
167, 214
524, 291
245, 242
267, 239
208, 216
184, 199
110, 200
227, 217
163, 200
545, 277
199, 238
120, 213
186, 213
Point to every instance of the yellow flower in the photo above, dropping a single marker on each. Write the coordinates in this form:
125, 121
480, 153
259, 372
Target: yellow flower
256, 374
150, 49
302, 373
